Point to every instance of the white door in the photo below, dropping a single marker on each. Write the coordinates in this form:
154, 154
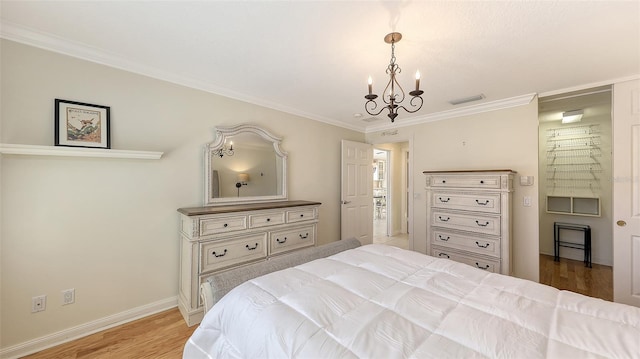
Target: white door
356, 215
626, 192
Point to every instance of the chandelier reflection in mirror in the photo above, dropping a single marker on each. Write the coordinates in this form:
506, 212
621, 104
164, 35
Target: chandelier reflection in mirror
393, 94
224, 150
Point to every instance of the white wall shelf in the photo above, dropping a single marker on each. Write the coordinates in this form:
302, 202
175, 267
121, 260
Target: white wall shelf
33, 150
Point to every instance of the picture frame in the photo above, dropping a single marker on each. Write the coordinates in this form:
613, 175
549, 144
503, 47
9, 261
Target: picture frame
79, 124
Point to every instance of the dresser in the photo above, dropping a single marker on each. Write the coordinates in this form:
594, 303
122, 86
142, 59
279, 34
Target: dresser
469, 217
218, 238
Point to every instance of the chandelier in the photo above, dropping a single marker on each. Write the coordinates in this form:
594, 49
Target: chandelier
224, 150
393, 93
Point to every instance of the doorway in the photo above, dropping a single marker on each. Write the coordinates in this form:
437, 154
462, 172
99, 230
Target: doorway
391, 194
575, 167
380, 186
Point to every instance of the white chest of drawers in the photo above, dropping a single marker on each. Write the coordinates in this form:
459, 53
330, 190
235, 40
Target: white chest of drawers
469, 217
219, 238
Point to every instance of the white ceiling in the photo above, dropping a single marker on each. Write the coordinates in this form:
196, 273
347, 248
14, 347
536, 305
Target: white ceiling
312, 58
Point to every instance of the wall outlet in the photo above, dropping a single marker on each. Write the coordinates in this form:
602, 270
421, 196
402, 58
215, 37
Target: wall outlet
38, 304
68, 296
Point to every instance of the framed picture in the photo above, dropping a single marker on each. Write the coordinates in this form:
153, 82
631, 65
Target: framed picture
80, 124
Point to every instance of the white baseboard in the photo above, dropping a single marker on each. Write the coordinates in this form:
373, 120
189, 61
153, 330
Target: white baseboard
67, 335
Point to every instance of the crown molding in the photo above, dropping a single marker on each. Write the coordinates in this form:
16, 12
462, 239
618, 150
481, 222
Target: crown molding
31, 37
89, 53
459, 112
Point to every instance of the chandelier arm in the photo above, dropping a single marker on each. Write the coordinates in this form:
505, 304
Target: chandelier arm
373, 108
412, 104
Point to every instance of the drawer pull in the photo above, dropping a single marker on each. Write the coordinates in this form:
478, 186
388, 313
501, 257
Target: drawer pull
483, 268
443, 255
486, 202
482, 225
481, 182
481, 246
444, 219
444, 239
256, 246
443, 181
302, 215
225, 225
268, 219
444, 200
281, 241
305, 236
219, 255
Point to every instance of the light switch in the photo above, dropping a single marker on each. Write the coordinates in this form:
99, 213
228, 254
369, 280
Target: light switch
526, 180
526, 201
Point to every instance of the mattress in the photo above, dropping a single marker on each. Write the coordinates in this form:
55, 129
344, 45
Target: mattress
378, 301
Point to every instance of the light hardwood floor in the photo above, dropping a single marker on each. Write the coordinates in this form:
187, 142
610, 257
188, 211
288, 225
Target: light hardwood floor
163, 335
574, 276
158, 336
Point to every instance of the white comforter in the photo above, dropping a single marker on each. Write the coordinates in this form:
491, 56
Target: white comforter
378, 301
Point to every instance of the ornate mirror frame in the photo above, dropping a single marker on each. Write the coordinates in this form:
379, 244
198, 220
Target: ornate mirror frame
224, 133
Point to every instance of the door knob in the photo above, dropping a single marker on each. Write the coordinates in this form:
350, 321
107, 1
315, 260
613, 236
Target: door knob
621, 223
346, 202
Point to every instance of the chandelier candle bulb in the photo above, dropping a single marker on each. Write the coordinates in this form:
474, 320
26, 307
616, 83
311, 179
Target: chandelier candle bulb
417, 80
370, 82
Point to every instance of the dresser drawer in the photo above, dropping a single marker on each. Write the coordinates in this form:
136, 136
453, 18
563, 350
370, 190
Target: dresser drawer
301, 214
476, 181
489, 203
266, 219
293, 238
467, 222
485, 246
224, 253
480, 263
222, 225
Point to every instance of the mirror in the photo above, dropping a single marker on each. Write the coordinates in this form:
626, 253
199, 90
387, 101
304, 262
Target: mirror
244, 165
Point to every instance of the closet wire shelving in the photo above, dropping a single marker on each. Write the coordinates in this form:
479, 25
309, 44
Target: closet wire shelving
573, 170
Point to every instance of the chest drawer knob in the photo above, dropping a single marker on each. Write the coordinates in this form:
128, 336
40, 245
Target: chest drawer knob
482, 245
481, 182
444, 200
225, 225
219, 255
305, 236
281, 241
443, 181
486, 202
482, 225
443, 238
256, 246
302, 215
268, 219
445, 219
482, 267
443, 255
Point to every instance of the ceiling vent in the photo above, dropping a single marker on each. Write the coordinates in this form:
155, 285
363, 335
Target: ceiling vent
460, 101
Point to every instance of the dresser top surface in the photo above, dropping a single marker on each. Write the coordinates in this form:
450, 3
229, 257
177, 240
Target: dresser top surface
470, 171
197, 211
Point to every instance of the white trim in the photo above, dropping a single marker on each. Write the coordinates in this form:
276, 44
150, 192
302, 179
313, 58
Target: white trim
86, 52
80, 331
591, 85
464, 111
33, 150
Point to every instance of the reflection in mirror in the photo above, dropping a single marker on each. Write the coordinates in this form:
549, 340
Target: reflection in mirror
244, 165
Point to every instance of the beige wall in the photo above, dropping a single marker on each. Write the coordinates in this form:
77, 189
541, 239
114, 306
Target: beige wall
109, 227
502, 139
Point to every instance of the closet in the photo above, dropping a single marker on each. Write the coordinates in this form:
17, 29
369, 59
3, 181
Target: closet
575, 173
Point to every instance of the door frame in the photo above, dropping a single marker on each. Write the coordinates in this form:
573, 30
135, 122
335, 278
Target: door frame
395, 139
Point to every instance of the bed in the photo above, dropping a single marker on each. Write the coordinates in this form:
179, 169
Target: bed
377, 301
